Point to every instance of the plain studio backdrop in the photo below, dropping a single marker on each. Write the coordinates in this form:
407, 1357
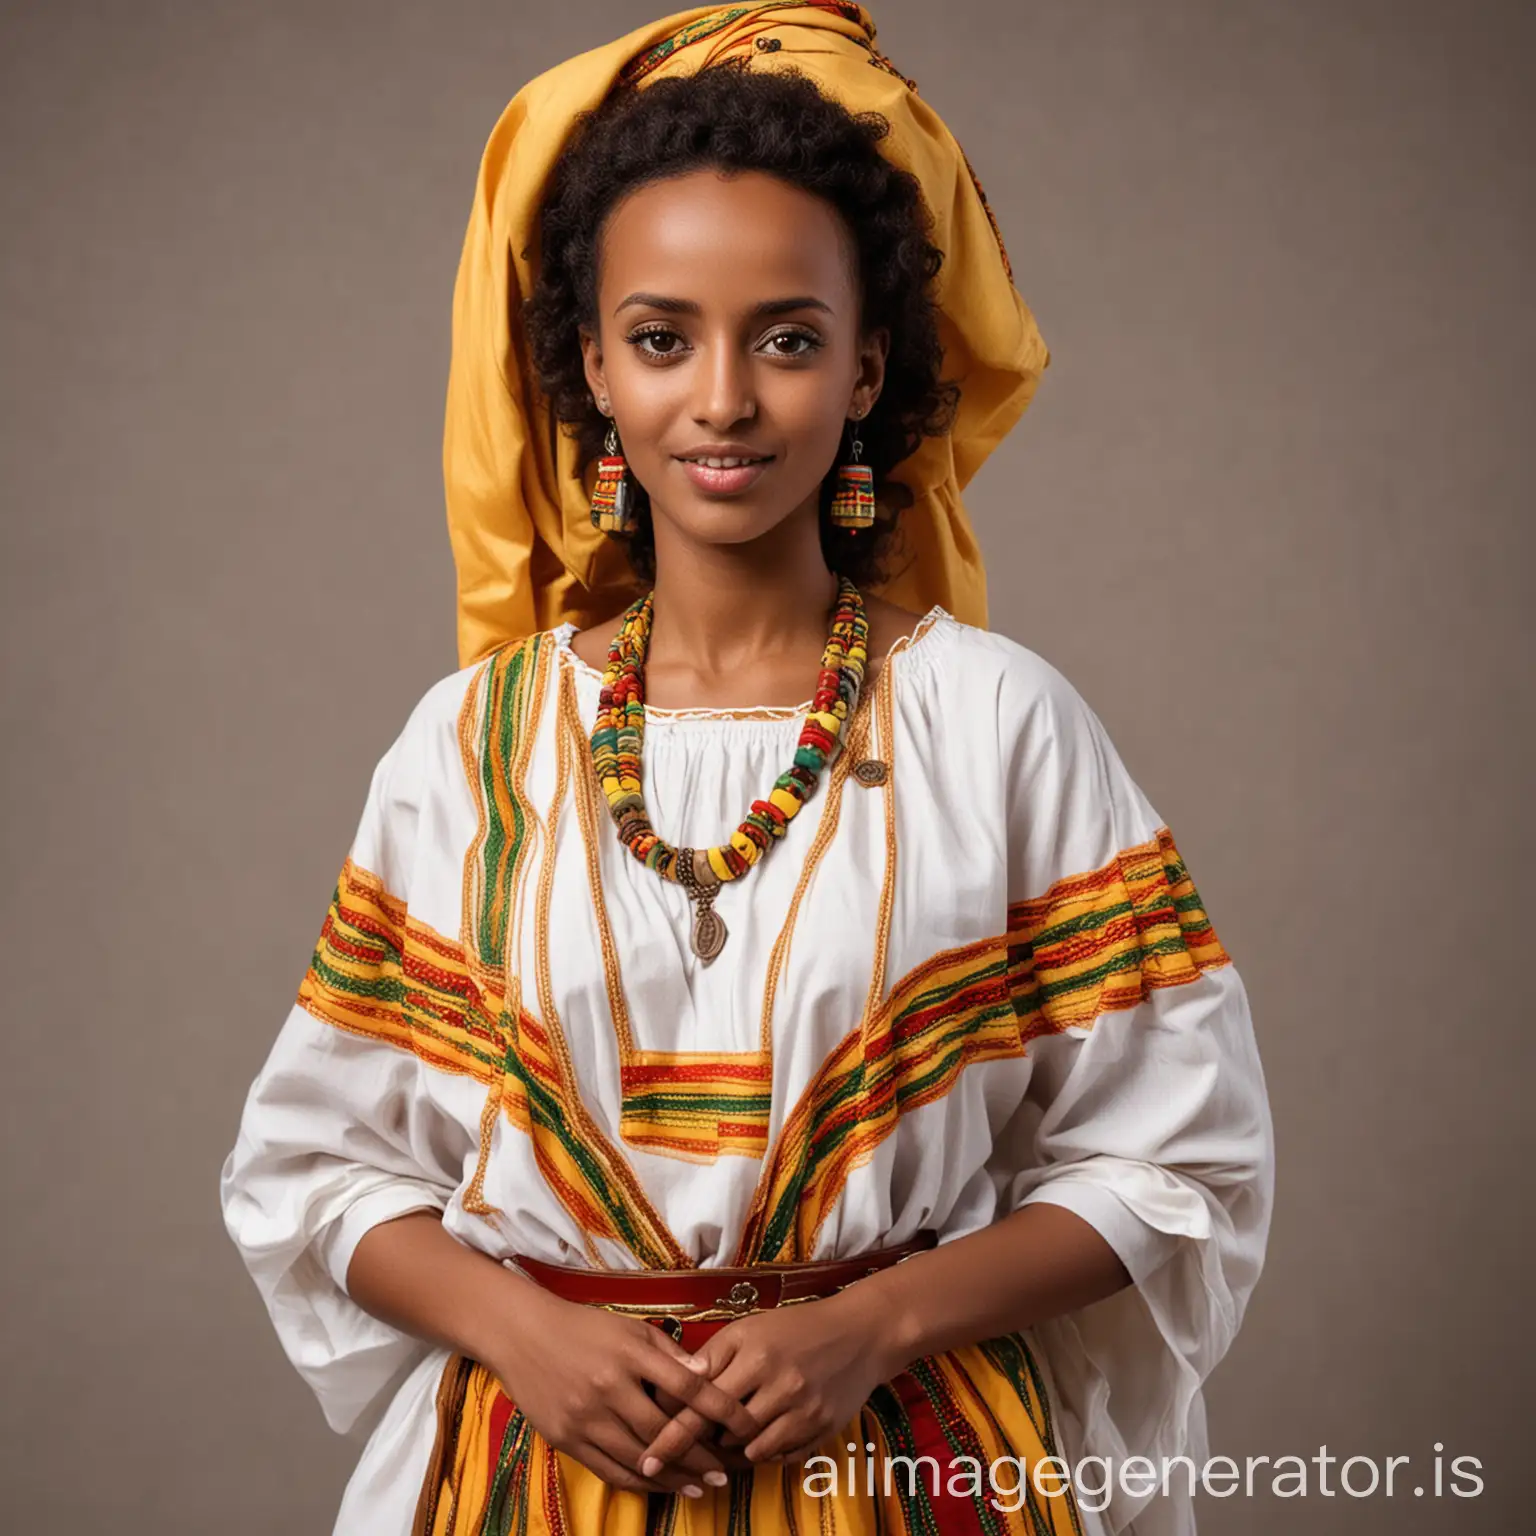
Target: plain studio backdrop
1270, 512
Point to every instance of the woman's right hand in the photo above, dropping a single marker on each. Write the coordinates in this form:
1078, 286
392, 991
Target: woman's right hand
579, 1374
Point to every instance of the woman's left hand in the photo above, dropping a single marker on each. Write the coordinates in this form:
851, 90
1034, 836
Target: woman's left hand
800, 1371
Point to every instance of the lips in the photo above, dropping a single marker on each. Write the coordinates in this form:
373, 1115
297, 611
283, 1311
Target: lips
727, 479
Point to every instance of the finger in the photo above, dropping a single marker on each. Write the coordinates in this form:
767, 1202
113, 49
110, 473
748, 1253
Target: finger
678, 1440
710, 1398
783, 1434
741, 1379
645, 1421
802, 1448
818, 1444
664, 1399
616, 1441
702, 1431
708, 1360
764, 1399
728, 1456
702, 1361
692, 1422
612, 1472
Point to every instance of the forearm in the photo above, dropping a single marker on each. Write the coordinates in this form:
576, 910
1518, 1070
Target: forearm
1035, 1263
416, 1276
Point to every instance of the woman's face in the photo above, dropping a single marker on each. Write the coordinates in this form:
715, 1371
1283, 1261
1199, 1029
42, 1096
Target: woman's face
728, 327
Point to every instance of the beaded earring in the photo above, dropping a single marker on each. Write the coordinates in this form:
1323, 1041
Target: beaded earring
613, 499
853, 500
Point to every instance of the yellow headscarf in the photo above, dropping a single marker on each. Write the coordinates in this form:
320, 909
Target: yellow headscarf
527, 555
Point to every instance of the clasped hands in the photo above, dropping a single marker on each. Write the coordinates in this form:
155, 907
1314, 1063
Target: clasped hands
771, 1386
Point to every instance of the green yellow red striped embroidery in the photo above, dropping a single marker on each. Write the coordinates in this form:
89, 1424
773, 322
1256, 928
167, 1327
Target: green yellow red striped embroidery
379, 973
497, 727
697, 1106
539, 1095
1104, 940
949, 1013
1092, 944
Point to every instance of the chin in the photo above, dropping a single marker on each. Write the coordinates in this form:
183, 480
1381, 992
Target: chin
730, 530
729, 523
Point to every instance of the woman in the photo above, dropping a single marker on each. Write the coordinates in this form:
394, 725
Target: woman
928, 1100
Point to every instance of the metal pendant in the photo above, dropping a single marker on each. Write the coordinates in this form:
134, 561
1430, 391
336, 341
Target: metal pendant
709, 934
702, 883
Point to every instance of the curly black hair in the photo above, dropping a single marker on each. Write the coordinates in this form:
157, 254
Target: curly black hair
731, 118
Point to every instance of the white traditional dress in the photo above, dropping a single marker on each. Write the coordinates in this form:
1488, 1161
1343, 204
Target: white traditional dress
975, 974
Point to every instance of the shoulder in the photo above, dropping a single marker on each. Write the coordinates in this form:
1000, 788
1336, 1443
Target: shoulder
439, 708
985, 668
450, 716
434, 717
514, 666
426, 774
1055, 752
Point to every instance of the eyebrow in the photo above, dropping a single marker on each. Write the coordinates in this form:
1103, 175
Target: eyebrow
688, 307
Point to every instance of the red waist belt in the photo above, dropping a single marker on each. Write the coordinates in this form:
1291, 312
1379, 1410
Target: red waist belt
691, 1304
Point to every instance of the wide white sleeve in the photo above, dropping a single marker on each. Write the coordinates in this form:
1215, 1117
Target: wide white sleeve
338, 1132
1146, 1113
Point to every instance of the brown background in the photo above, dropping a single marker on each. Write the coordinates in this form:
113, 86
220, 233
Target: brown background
1270, 512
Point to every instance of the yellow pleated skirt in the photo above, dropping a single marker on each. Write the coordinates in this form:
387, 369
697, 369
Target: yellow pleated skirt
948, 1448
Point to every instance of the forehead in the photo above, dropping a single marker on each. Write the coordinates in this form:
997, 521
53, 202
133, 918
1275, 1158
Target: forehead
724, 236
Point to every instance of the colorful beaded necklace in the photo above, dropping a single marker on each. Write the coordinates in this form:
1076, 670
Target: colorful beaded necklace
620, 731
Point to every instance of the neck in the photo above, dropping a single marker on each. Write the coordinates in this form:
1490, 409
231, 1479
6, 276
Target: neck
720, 606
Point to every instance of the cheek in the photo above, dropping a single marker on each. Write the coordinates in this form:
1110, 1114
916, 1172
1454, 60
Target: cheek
809, 410
653, 399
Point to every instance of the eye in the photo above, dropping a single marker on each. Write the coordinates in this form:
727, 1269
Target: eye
792, 343
657, 341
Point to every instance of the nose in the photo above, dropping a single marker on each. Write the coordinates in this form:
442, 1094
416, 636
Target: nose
726, 390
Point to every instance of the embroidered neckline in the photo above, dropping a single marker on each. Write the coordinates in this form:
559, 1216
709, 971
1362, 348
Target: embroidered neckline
904, 645
617, 744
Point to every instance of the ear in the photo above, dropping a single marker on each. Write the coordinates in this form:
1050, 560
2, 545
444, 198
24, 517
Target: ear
874, 348
592, 364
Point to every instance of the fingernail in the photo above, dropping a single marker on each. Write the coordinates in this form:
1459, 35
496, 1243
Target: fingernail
650, 1466
719, 1479
694, 1491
